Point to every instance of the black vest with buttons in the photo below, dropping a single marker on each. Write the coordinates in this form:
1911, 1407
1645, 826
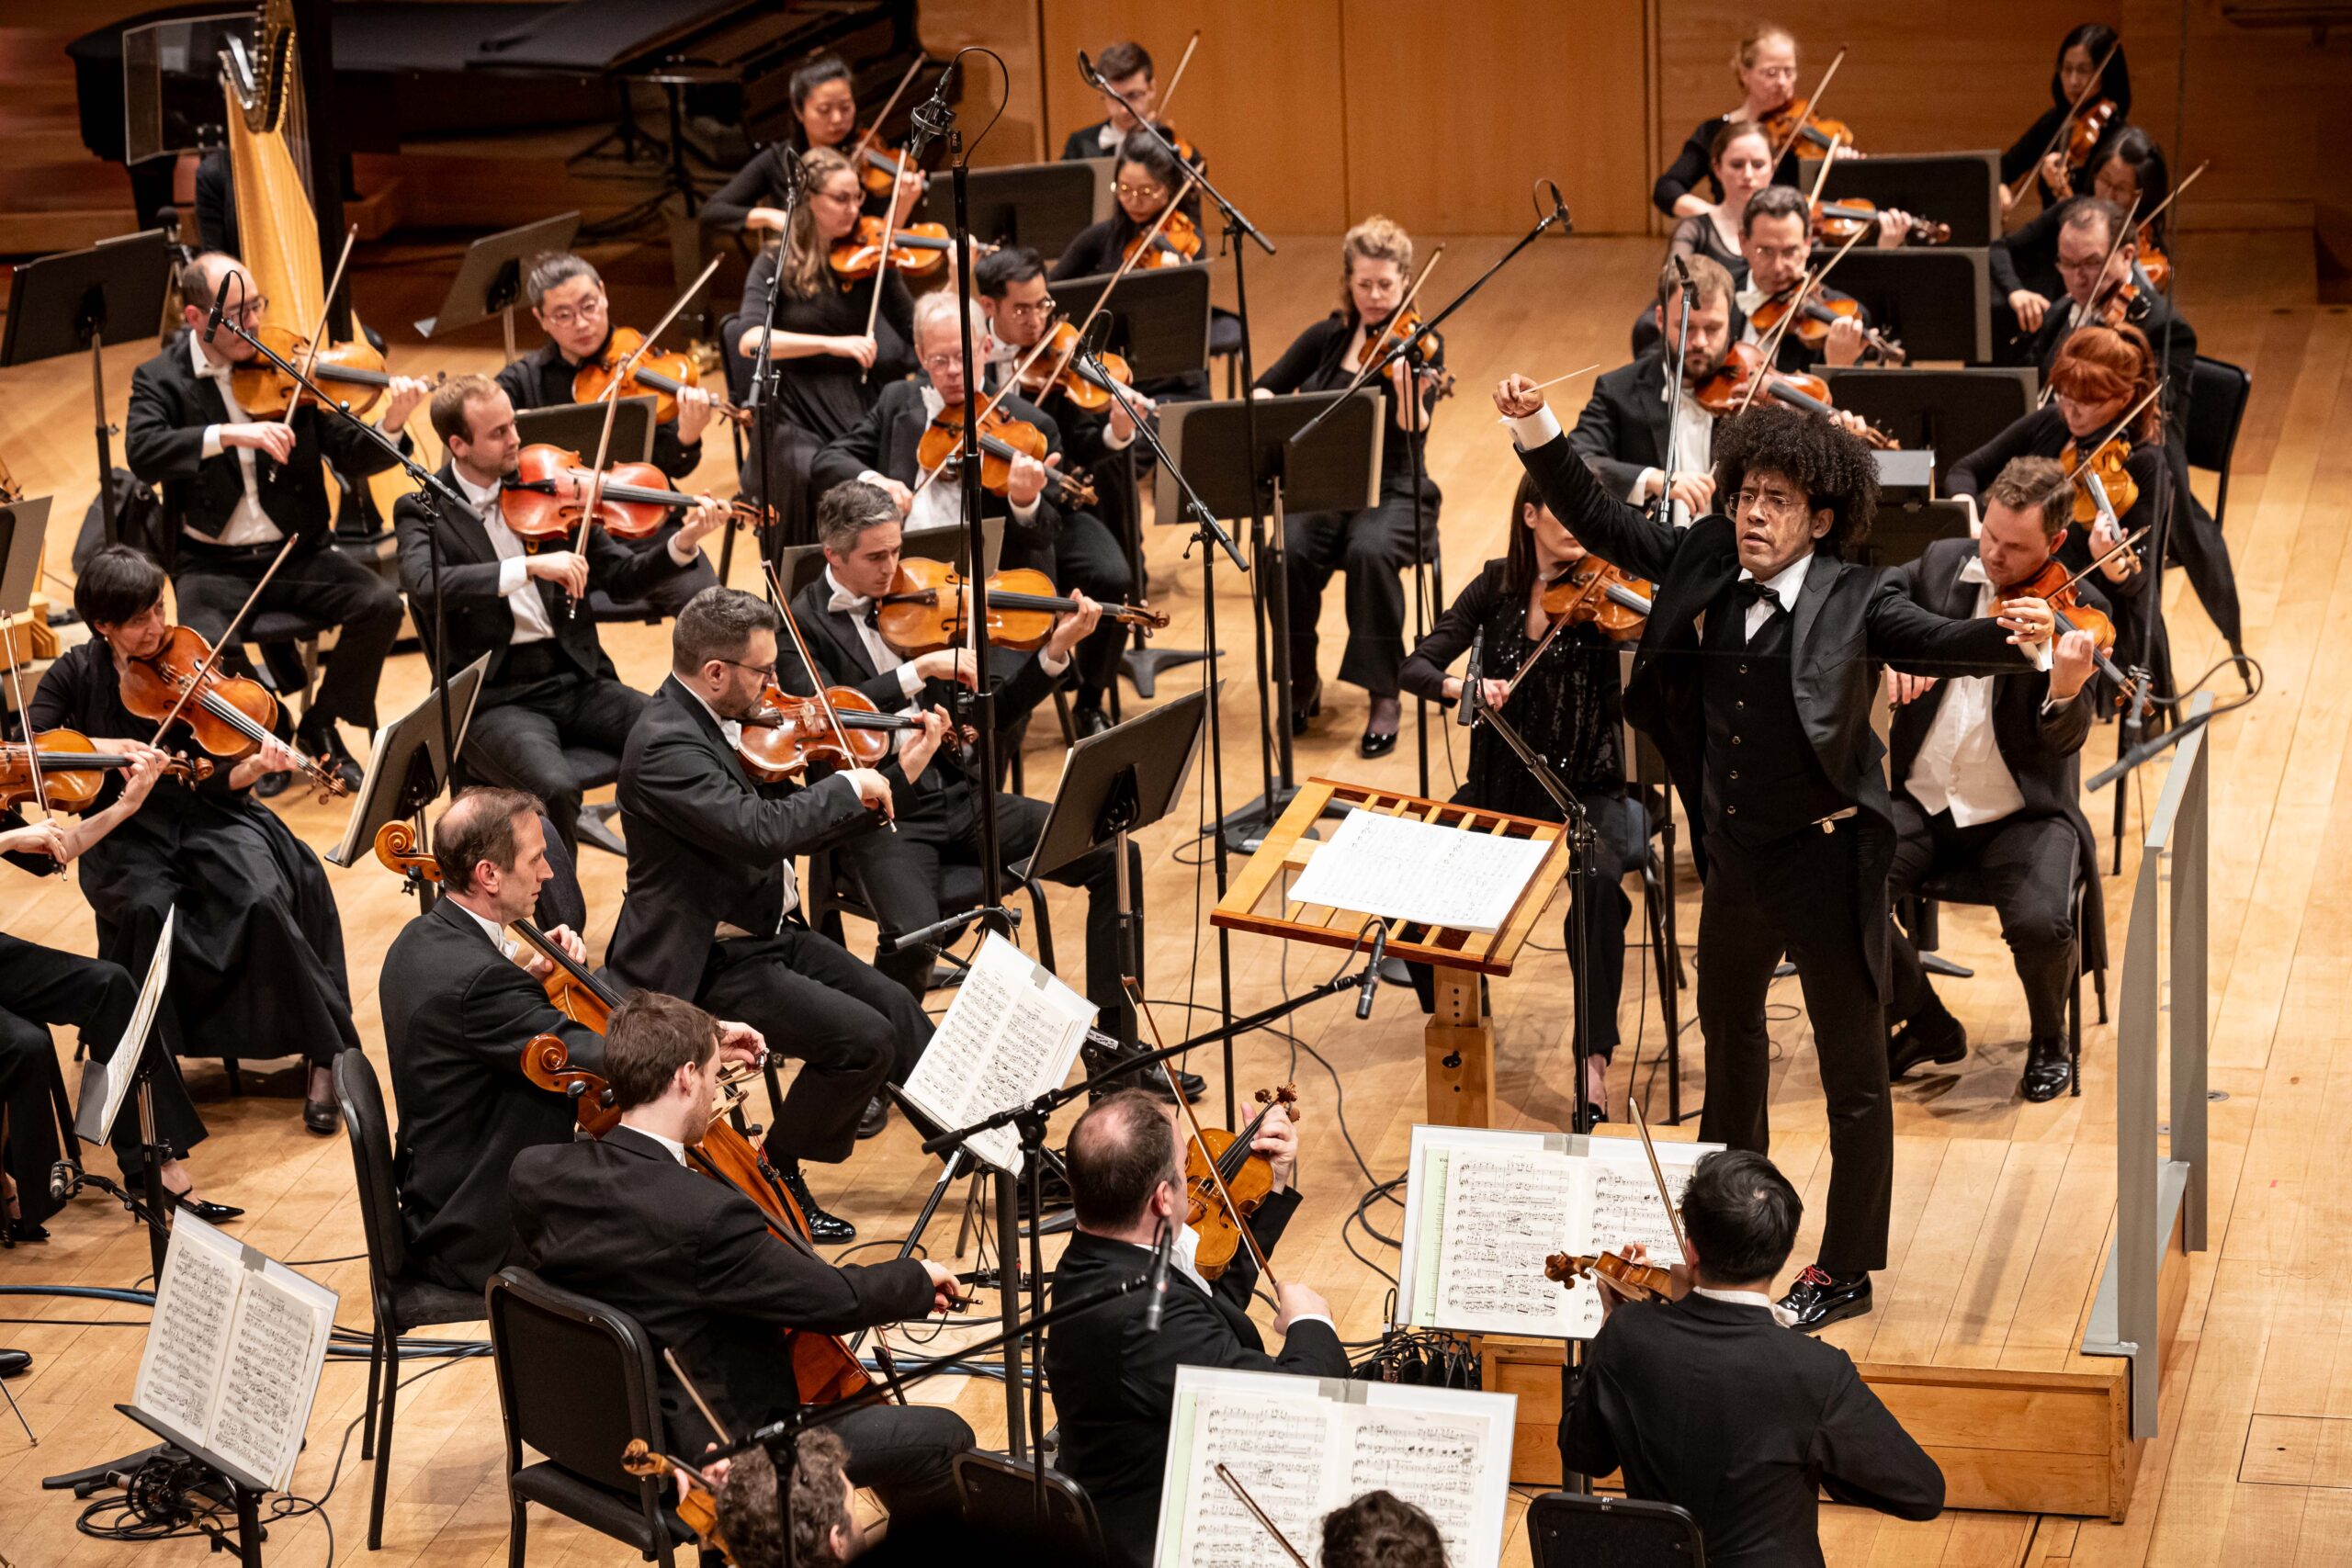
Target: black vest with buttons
1762, 778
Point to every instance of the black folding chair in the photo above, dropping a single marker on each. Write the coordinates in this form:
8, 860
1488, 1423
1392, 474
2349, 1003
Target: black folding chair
2217, 402
1576, 1529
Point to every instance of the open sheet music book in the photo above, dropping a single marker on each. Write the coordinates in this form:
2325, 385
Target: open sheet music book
233, 1355
1401, 868
1484, 1208
1305, 1446
1010, 1035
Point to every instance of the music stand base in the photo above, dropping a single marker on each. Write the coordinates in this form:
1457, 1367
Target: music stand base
1142, 666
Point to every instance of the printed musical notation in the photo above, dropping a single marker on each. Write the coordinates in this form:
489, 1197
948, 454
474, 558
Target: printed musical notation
1500, 1210
1011, 1034
1435, 1461
1281, 1454
1400, 868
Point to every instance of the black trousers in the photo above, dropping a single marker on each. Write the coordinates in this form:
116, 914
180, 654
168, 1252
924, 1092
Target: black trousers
1375, 548
2028, 866
906, 1453
900, 874
521, 727
317, 582
851, 1028
41, 986
1089, 559
1798, 896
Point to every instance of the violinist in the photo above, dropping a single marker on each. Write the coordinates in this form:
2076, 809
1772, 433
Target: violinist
1143, 182
234, 487
1010, 285
1623, 433
1766, 68
567, 300
824, 113
713, 908
1985, 778
251, 899
1113, 1377
1125, 68
2087, 238
1773, 237
2128, 174
2041, 149
825, 1533
1741, 160
1375, 545
832, 370
1567, 706
549, 684
694, 1262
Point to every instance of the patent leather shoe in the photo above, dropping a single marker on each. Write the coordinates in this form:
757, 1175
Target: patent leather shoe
1820, 1298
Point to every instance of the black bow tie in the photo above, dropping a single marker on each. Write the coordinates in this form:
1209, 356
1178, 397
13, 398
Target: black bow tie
1750, 591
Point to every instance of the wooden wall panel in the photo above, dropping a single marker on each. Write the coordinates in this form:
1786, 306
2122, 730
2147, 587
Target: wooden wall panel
1011, 29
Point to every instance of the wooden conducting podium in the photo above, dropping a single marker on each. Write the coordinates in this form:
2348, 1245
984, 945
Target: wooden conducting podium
1459, 1037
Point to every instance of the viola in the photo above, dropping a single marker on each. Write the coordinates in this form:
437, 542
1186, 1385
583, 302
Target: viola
927, 608
2111, 463
917, 250
2154, 263
1817, 316
228, 715
1636, 1281
1003, 438
265, 391
73, 769
877, 171
2090, 126
658, 372
1593, 592
1837, 222
787, 733
546, 498
2054, 584
1248, 1178
1057, 367
1725, 391
1813, 136
1178, 241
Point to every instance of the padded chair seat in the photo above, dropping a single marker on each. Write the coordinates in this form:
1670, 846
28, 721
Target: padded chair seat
417, 1303
592, 767
615, 1514
280, 625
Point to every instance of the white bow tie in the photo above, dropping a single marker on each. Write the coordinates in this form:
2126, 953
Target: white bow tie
847, 603
207, 370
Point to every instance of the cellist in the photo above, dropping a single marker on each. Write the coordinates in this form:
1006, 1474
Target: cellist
695, 1262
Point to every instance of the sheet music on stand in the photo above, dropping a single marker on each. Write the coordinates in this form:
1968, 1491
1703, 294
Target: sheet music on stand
1426, 872
1305, 1446
233, 1355
1485, 1207
1010, 1035
105, 1085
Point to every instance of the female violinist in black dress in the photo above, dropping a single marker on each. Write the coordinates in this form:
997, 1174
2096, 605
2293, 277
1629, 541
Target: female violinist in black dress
258, 964
829, 370
824, 111
1145, 181
1567, 708
1373, 545
1766, 68
1741, 160
2079, 53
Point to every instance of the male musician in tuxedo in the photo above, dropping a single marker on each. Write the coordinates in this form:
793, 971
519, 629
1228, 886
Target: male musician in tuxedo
1126, 69
712, 909
1627, 426
566, 299
1764, 718
858, 525
234, 489
549, 684
1089, 558
706, 1273
1986, 777
1776, 236
1113, 1371
1708, 1402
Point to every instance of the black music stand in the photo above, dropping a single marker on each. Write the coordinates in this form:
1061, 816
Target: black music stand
1160, 317
1905, 474
577, 427
1899, 534
1335, 469
407, 765
490, 280
1936, 301
1950, 413
67, 303
1962, 189
23, 525
1042, 206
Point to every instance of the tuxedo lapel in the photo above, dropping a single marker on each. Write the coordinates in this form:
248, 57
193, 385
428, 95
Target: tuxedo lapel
1819, 579
1649, 398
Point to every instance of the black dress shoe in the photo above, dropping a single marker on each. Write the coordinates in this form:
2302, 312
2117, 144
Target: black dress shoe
1820, 1298
24, 1230
321, 1116
876, 1117
1380, 727
204, 1209
269, 786
826, 1229
1941, 1039
1307, 708
1087, 718
2047, 1071
322, 743
15, 1363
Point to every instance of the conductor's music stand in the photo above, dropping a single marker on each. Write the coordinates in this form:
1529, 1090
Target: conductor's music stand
1962, 189
1042, 206
67, 303
490, 280
577, 427
1335, 470
1937, 302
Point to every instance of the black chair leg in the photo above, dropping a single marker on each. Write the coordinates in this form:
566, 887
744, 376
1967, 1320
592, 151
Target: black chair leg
236, 1076
384, 1443
2074, 1001
375, 1374
517, 1522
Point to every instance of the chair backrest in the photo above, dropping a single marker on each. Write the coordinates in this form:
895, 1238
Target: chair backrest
2216, 399
1000, 1497
1572, 1529
575, 1381
361, 1097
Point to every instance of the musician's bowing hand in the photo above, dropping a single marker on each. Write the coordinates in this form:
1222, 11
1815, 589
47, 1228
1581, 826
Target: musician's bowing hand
900, 496
873, 789
920, 746
741, 1044
568, 570
271, 439
2070, 663
1277, 1139
2029, 308
1516, 396
49, 837
1901, 688
1073, 627
2032, 622
860, 348
694, 414
1696, 491
945, 1295
1123, 424
766, 217
1294, 1300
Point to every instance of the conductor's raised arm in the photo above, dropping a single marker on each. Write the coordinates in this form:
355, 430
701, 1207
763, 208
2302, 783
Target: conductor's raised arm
1618, 533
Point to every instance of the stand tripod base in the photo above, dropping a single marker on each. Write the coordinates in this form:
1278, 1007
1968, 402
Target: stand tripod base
1459, 1046
1245, 828
1142, 666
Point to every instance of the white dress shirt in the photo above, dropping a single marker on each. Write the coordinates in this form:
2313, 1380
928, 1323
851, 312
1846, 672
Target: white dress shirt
1785, 584
1960, 768
490, 928
531, 623
677, 1150
885, 658
248, 524
1694, 452
1183, 1258
940, 504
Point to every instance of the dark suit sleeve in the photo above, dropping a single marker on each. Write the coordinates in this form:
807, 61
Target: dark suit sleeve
503, 1009
2027, 150
350, 448
627, 571
463, 581
2035, 242
515, 380
883, 689
701, 805
1594, 439
1586, 1442
671, 456
1921, 642
853, 451
1240, 1280
157, 445
1686, 173
1618, 533
1867, 1460
743, 1270
1975, 473
731, 203
1425, 667
1289, 373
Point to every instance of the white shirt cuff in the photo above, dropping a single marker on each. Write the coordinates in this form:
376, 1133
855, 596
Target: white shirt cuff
1049, 664
1111, 439
910, 683
1026, 514
212, 448
682, 553
868, 477
512, 573
1530, 431
1315, 1317
1642, 484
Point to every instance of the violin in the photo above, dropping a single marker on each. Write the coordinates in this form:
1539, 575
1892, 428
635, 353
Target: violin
787, 733
1725, 391
1178, 241
228, 714
1003, 438
1636, 1281
1836, 223
2091, 124
2111, 463
546, 498
1248, 1180
1817, 316
697, 1508
658, 372
2154, 263
877, 170
1056, 367
926, 608
265, 391
2054, 585
2124, 304
917, 250
1793, 125
1423, 358
73, 769
1596, 594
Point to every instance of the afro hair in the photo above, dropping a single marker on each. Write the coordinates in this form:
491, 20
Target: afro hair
1833, 467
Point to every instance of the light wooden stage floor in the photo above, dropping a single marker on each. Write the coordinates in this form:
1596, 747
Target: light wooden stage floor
2000, 1206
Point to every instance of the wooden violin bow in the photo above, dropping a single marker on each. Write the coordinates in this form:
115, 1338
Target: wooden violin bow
318, 328
1135, 995
2073, 111
1657, 1174
875, 124
882, 262
1233, 1484
1176, 76
1812, 104
32, 742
